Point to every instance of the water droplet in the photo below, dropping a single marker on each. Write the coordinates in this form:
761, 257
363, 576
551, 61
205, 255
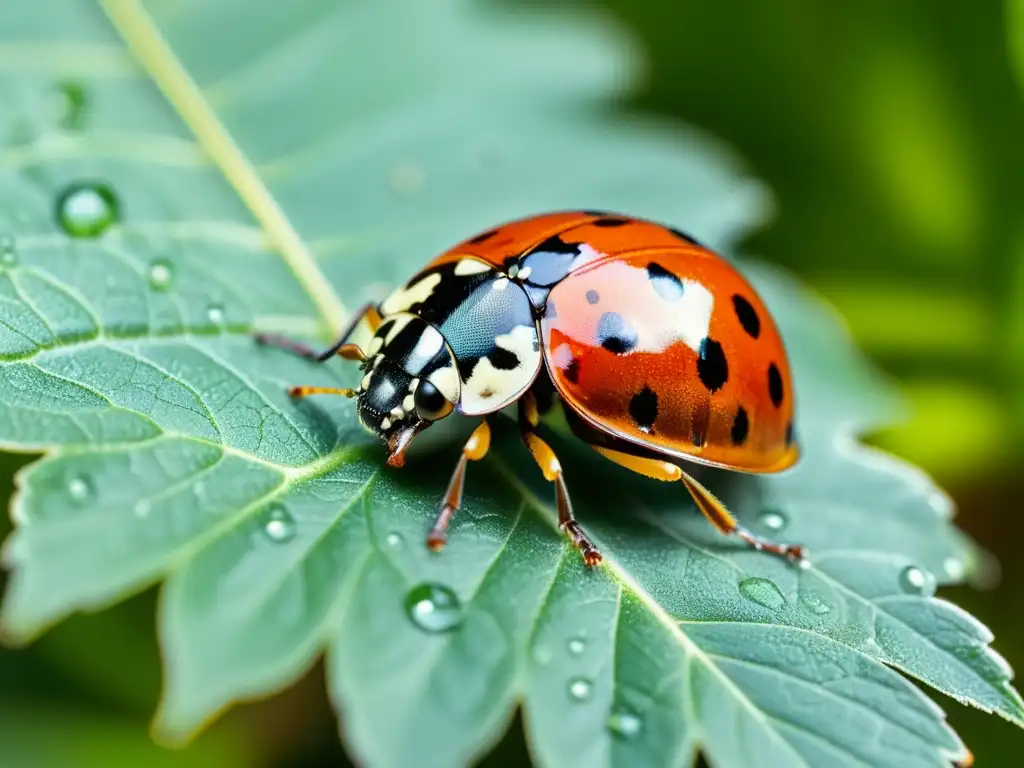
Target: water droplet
772, 519
86, 209
280, 525
625, 724
542, 655
394, 540
433, 607
812, 602
913, 580
71, 107
80, 488
763, 592
142, 507
407, 178
577, 646
8, 257
161, 275
954, 568
580, 688
215, 314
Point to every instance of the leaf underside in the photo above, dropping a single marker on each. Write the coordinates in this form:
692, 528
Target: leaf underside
317, 154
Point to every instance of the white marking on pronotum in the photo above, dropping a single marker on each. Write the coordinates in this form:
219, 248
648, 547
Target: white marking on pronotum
465, 267
523, 274
489, 387
385, 424
446, 380
427, 345
405, 297
408, 403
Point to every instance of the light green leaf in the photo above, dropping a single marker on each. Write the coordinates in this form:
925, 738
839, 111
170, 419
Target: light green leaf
268, 161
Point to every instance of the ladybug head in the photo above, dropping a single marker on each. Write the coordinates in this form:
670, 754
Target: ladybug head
410, 382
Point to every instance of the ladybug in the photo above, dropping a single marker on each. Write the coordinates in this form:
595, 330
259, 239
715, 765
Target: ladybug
629, 335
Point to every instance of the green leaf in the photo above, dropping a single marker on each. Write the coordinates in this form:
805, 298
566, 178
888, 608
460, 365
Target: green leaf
262, 162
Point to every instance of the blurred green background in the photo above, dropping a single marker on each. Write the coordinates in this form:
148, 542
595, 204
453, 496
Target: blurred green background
892, 134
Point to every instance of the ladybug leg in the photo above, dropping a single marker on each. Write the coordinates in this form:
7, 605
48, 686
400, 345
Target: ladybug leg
707, 502
552, 469
341, 347
476, 448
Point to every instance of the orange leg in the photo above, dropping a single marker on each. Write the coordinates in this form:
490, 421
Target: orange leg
341, 347
551, 467
476, 448
707, 502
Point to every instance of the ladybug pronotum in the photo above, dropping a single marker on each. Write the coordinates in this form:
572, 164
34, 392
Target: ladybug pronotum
641, 342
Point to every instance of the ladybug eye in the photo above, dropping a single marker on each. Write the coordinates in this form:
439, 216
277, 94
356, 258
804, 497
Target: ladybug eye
431, 405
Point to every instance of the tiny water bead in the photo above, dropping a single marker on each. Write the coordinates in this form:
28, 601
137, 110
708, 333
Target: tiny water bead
71, 106
577, 646
772, 519
8, 256
580, 689
433, 607
813, 602
280, 525
79, 488
954, 568
161, 275
142, 508
625, 725
913, 580
215, 314
393, 540
86, 209
763, 592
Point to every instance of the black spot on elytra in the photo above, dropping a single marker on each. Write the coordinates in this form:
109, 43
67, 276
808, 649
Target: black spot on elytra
775, 385
666, 284
747, 315
684, 237
571, 371
712, 367
615, 334
643, 408
610, 221
789, 434
503, 359
593, 296
740, 426
484, 236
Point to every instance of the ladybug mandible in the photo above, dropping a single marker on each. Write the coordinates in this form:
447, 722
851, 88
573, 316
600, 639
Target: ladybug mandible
654, 349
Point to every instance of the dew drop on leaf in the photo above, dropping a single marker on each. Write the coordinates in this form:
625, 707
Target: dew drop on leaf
407, 178
280, 525
8, 256
72, 104
542, 655
625, 725
433, 607
580, 688
763, 592
954, 568
772, 519
577, 646
142, 507
161, 275
80, 488
913, 580
215, 314
394, 540
812, 602
86, 209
